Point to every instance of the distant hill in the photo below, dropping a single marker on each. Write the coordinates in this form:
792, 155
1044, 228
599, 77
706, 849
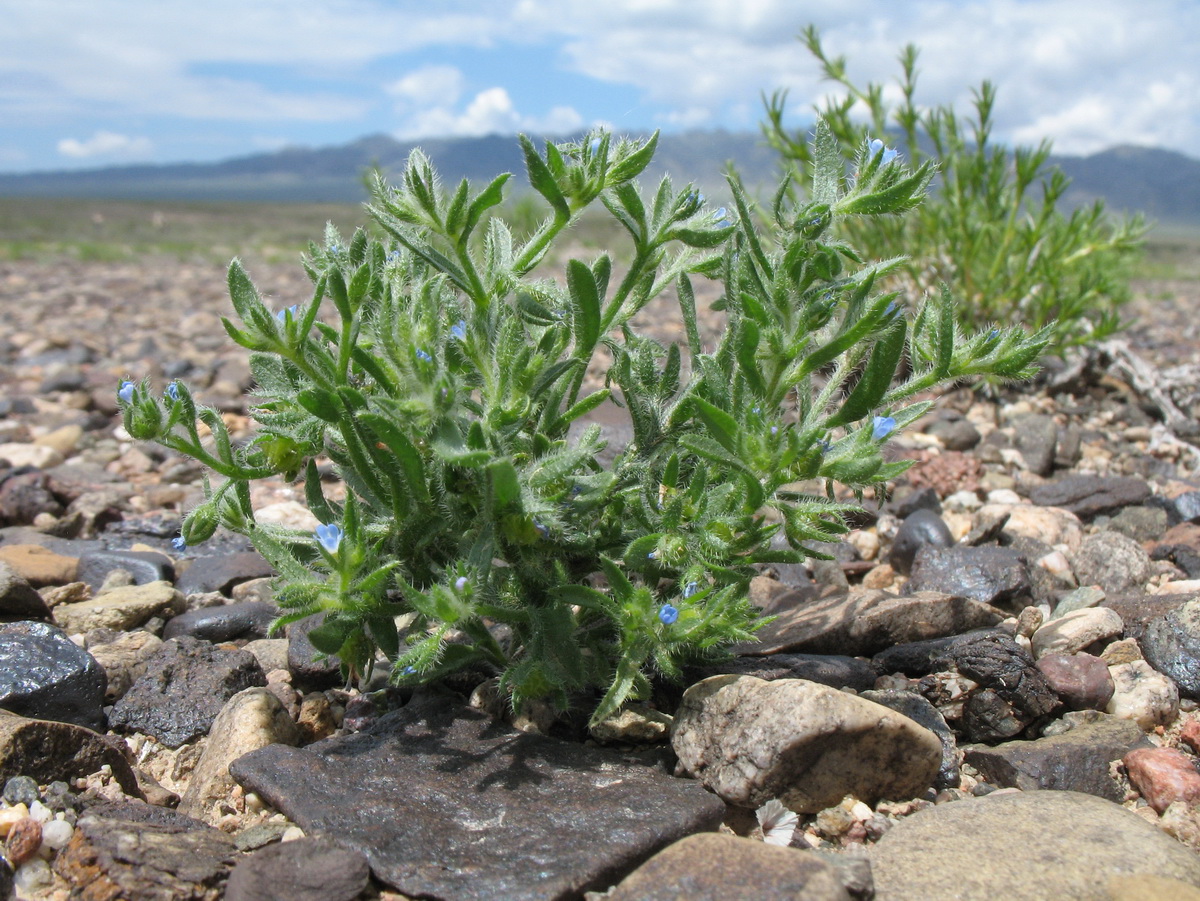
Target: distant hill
1163, 184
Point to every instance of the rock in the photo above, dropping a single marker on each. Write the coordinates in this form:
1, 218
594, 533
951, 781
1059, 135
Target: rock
144, 566
1079, 599
1088, 495
38, 565
46, 751
1012, 685
309, 869
1163, 776
23, 841
271, 653
1077, 760
958, 434
834, 670
918, 709
251, 719
24, 497
1051, 525
302, 662
110, 857
1023, 847
633, 724
806, 744
457, 804
221, 572
185, 685
43, 674
1080, 680
1140, 523
18, 600
1111, 561
1144, 887
314, 717
21, 790
120, 609
1076, 631
1037, 439
1183, 507
1171, 644
1143, 695
250, 619
35, 455
124, 660
865, 621
921, 528
1138, 609
716, 867
989, 575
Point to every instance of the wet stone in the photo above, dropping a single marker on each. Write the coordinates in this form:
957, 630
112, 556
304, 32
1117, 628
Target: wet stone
185, 685
1171, 644
989, 575
144, 566
1089, 495
250, 619
921, 528
460, 806
1076, 760
309, 869
222, 572
43, 674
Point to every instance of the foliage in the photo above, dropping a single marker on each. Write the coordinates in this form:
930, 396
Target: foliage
479, 529
1006, 252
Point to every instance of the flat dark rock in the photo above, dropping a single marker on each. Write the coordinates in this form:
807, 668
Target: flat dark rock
248, 619
309, 869
44, 675
221, 572
990, 575
144, 566
1089, 495
447, 803
46, 751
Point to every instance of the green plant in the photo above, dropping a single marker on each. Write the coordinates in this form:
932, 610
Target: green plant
1005, 252
477, 529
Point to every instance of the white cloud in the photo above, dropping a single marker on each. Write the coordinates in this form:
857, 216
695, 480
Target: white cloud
105, 144
429, 86
489, 112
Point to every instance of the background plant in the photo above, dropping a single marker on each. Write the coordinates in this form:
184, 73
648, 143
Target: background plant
995, 229
479, 530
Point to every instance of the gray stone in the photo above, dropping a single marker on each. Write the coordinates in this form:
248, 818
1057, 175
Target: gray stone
124, 660
18, 599
24, 496
1023, 847
1183, 508
1087, 495
1077, 760
1138, 609
186, 684
1079, 599
446, 802
1077, 631
249, 619
1140, 523
834, 670
144, 566
309, 869
21, 790
917, 708
1171, 644
221, 572
806, 744
958, 434
1112, 561
865, 621
1037, 439
46, 751
989, 575
716, 867
921, 528
43, 674
302, 656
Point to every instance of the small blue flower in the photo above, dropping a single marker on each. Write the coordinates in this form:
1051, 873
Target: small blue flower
993, 335
422, 355
178, 543
125, 392
282, 315
394, 256
330, 536
409, 670
892, 310
877, 147
541, 529
882, 426
459, 330
824, 445
653, 555
460, 583
690, 589
173, 391
667, 614
774, 430
722, 218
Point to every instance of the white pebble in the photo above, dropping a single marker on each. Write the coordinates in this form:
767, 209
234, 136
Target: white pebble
32, 875
40, 812
253, 802
56, 834
963, 500
291, 834
1003, 496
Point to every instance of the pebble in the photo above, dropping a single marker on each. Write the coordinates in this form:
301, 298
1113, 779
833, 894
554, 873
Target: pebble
1143, 695
1163, 776
1076, 631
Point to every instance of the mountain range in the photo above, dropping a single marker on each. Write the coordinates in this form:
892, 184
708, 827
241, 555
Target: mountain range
1163, 184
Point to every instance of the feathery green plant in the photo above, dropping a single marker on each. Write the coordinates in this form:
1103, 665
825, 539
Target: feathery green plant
994, 229
478, 528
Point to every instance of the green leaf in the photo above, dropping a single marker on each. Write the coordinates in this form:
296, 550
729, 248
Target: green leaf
585, 304
541, 178
829, 165
406, 454
489, 197
506, 486
720, 425
331, 636
876, 378
320, 403
633, 165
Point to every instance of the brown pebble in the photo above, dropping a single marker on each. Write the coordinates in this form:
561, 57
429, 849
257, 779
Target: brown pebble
1163, 775
23, 841
1190, 735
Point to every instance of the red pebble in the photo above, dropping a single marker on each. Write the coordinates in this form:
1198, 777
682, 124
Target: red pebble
1163, 775
23, 841
1190, 735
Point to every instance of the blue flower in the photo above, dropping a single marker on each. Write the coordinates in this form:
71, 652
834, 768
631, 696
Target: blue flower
653, 555
993, 335
541, 529
422, 355
409, 670
690, 589
882, 426
877, 147
283, 314
667, 614
173, 391
178, 543
459, 330
892, 310
125, 392
460, 583
330, 536
722, 218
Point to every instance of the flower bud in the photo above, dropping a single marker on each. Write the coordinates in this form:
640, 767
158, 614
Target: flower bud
143, 420
199, 525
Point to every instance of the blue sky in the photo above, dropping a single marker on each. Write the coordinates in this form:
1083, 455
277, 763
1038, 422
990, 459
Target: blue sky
87, 83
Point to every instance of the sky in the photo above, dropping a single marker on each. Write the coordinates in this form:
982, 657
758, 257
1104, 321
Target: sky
90, 83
